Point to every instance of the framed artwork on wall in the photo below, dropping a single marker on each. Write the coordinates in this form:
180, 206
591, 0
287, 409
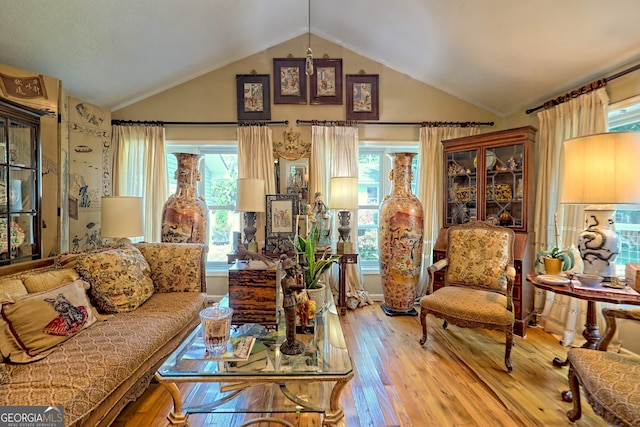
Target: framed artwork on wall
253, 96
282, 212
326, 81
362, 97
290, 81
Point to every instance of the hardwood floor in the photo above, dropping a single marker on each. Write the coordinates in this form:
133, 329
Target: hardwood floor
457, 379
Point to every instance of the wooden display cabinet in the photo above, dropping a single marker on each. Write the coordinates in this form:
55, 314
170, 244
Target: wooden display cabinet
20, 215
488, 177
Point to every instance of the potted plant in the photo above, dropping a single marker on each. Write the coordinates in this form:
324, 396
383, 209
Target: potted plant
313, 265
555, 260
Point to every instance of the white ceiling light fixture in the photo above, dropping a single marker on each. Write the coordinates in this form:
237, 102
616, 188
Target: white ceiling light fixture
309, 63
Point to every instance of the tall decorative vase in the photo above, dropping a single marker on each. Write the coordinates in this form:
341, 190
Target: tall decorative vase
400, 240
185, 213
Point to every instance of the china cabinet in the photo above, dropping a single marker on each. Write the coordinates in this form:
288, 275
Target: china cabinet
488, 177
20, 231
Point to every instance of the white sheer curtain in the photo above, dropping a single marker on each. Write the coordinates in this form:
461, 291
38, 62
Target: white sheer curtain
585, 115
334, 153
255, 160
429, 187
139, 169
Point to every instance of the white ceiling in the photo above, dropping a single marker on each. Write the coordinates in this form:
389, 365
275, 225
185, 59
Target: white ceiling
502, 55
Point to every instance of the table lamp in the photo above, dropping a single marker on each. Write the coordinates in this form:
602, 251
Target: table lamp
343, 196
122, 217
250, 199
600, 171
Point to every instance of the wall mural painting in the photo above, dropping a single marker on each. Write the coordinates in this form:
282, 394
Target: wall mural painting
89, 172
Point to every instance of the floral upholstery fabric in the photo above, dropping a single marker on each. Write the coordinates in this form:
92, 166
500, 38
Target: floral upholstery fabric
469, 305
611, 382
479, 257
120, 278
175, 267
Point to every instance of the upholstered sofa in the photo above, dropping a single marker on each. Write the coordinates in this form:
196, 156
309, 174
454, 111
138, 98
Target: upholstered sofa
87, 331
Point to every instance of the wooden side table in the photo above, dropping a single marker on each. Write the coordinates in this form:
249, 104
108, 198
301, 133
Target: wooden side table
345, 259
591, 332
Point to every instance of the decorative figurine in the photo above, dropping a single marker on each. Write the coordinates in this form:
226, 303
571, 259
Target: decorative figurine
323, 221
290, 288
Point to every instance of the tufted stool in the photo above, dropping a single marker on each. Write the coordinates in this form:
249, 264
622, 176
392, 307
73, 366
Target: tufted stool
610, 381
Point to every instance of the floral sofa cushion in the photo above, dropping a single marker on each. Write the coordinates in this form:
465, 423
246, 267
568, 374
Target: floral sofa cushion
120, 278
479, 257
174, 268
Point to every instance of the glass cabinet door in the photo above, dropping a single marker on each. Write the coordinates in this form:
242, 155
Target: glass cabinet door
19, 231
461, 187
504, 185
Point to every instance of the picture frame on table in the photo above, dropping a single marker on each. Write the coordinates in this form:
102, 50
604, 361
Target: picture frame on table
253, 96
282, 212
326, 82
289, 81
362, 96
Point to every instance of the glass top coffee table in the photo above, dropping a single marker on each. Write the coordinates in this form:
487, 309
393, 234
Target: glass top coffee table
269, 381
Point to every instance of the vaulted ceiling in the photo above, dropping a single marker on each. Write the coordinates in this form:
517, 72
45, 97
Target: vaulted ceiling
501, 55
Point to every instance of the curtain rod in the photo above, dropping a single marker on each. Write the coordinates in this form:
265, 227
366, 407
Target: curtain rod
423, 124
581, 91
238, 123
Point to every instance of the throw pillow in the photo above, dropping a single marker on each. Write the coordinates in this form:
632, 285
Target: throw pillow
39, 322
120, 278
175, 267
39, 282
14, 288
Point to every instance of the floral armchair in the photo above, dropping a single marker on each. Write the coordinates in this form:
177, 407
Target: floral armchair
478, 283
610, 381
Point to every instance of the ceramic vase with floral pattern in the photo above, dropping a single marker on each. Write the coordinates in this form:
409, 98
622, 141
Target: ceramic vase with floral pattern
185, 213
400, 239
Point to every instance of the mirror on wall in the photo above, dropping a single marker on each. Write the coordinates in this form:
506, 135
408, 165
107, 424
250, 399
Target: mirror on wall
291, 157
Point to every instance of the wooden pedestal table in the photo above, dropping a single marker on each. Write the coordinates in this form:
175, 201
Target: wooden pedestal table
343, 262
591, 332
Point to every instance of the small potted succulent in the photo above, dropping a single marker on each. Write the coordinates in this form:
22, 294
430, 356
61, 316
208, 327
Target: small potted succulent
555, 261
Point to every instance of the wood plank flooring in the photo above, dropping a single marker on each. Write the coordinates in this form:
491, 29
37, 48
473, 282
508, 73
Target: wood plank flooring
457, 379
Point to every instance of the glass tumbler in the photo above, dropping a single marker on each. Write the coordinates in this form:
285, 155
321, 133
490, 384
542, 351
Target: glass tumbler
216, 328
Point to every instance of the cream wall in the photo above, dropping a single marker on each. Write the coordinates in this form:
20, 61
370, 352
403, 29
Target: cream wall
212, 97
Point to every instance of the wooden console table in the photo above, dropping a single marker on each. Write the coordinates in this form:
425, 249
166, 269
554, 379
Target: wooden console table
345, 259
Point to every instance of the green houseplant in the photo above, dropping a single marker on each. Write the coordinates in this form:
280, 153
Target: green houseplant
555, 260
313, 266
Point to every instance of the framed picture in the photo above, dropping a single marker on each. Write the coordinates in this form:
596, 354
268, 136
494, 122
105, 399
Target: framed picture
253, 96
362, 97
289, 81
326, 81
282, 212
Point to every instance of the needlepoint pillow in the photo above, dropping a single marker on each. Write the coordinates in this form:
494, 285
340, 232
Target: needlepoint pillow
120, 278
37, 323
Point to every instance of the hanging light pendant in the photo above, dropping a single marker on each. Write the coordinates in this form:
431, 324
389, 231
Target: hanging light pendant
309, 63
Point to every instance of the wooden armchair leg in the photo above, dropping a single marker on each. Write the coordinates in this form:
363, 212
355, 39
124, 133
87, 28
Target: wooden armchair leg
507, 351
423, 322
574, 385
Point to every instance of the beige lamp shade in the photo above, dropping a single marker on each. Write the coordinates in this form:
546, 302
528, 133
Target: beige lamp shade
251, 195
601, 169
343, 193
122, 216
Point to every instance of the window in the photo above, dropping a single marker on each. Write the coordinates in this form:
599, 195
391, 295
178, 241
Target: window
373, 184
219, 168
625, 116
